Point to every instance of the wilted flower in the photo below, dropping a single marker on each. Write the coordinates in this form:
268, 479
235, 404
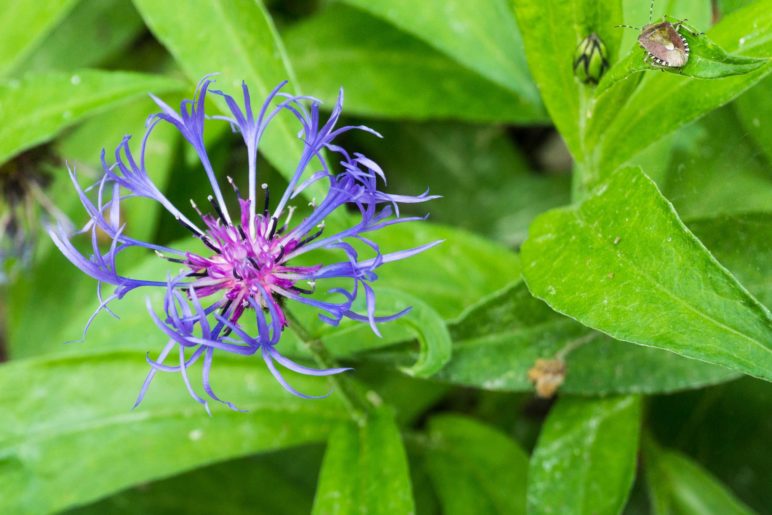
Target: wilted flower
251, 262
23, 206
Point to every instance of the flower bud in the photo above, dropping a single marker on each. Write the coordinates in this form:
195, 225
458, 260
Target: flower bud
590, 60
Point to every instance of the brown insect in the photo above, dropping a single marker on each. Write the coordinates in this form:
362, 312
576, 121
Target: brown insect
663, 43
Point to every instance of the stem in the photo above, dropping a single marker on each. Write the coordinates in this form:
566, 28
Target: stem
575, 344
353, 397
584, 171
3, 328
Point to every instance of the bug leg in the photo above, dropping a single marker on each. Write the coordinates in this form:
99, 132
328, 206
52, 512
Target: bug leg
682, 23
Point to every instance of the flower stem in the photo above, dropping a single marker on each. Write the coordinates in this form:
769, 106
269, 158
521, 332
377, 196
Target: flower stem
352, 393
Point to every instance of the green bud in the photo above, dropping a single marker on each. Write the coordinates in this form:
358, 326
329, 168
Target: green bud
590, 60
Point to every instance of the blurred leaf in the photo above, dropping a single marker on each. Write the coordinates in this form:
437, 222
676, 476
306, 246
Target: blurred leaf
225, 488
726, 428
397, 76
57, 412
497, 341
38, 107
664, 101
552, 29
585, 459
727, 6
365, 470
677, 485
622, 262
755, 112
24, 25
705, 179
485, 183
237, 39
424, 497
93, 32
475, 468
742, 243
408, 396
482, 36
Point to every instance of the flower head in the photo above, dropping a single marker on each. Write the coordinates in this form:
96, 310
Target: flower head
24, 208
254, 244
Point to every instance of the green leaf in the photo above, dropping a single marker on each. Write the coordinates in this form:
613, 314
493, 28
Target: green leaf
468, 166
621, 127
622, 262
422, 323
60, 411
584, 461
705, 179
481, 36
755, 112
226, 488
238, 40
23, 25
36, 108
498, 341
430, 330
393, 71
365, 469
677, 485
701, 423
93, 32
474, 468
552, 30
742, 243
460, 271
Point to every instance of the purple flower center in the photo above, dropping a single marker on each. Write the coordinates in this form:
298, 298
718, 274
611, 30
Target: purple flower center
248, 263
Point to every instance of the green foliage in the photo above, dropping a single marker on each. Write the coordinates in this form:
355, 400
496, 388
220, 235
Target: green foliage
497, 341
70, 416
24, 25
595, 260
365, 465
612, 241
474, 468
678, 485
391, 70
662, 102
70, 97
584, 461
482, 37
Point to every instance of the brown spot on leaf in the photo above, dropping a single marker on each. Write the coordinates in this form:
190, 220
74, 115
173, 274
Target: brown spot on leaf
547, 375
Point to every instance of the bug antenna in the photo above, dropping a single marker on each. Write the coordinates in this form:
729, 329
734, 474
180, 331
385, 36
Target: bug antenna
651, 10
626, 27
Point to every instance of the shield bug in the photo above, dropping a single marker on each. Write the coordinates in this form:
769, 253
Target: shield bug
663, 43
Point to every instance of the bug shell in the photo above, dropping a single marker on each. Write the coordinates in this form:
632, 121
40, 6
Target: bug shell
664, 44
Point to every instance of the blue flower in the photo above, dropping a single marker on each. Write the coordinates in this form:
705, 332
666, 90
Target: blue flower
250, 266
